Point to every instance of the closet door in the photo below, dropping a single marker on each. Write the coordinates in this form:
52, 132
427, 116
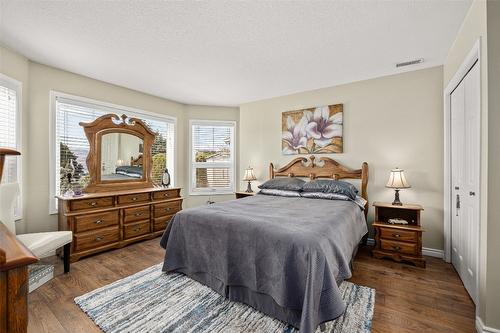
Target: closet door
465, 160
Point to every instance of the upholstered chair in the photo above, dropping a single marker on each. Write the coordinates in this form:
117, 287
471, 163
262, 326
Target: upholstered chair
42, 244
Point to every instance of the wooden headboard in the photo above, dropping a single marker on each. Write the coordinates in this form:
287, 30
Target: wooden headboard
136, 161
324, 167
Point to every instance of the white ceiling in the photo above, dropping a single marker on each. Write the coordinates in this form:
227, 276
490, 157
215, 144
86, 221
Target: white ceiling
229, 53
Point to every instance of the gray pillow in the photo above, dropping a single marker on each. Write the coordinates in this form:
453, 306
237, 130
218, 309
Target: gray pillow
361, 202
285, 183
281, 193
331, 186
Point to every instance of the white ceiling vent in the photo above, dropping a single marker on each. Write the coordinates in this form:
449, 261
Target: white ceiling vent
409, 63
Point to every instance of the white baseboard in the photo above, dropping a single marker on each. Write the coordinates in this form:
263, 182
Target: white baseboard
481, 328
426, 251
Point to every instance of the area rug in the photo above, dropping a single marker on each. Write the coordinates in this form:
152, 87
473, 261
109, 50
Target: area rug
39, 275
152, 301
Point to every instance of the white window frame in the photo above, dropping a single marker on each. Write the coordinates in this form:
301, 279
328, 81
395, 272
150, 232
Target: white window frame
124, 109
192, 165
17, 86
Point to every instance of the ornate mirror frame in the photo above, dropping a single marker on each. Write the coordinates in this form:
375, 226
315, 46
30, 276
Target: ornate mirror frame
112, 123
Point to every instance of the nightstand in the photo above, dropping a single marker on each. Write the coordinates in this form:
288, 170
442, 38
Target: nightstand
240, 195
400, 242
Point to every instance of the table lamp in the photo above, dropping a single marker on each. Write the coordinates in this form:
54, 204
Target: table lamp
249, 177
397, 181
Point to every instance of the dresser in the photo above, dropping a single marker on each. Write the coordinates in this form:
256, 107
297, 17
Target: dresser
108, 220
399, 242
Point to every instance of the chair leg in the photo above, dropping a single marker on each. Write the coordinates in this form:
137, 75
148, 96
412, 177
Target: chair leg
66, 251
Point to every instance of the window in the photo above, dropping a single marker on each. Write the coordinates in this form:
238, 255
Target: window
69, 143
212, 157
10, 132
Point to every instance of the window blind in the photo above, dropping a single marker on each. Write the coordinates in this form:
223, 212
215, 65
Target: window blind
71, 142
212, 157
9, 135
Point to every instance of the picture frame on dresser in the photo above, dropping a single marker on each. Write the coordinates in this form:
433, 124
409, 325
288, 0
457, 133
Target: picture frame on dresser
120, 204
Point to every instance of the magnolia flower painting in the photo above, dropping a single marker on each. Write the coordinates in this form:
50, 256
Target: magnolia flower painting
312, 131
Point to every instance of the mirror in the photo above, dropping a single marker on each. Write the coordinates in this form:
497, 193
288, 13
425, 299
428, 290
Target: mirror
120, 154
121, 157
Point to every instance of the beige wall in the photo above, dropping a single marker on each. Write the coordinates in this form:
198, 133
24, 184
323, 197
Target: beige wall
390, 121
38, 80
492, 302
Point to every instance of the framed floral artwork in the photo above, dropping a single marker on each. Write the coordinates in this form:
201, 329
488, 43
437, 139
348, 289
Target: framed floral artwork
312, 131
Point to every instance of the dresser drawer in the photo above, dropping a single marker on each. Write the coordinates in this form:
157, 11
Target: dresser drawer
133, 198
136, 229
94, 239
167, 194
95, 221
399, 235
399, 247
136, 214
161, 223
91, 203
167, 208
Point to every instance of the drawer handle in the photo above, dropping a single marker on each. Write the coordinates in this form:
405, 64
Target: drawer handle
166, 194
168, 209
98, 239
98, 222
137, 229
134, 198
93, 203
138, 214
396, 248
396, 235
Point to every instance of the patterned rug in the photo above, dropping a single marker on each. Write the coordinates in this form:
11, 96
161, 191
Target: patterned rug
39, 275
151, 301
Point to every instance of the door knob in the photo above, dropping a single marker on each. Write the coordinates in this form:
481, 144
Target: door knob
472, 193
457, 188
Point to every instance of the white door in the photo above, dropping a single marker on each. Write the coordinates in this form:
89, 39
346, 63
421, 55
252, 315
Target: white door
465, 163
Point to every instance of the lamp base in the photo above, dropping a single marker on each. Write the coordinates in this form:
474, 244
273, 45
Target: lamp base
249, 188
396, 201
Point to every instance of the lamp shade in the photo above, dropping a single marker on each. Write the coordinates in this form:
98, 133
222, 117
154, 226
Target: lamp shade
249, 175
397, 179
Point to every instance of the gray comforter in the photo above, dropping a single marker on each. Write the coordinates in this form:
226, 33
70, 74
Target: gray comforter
283, 256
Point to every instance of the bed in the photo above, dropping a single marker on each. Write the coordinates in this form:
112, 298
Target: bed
284, 256
134, 170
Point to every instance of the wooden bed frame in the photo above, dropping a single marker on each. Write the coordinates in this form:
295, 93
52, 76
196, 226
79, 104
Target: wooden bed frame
325, 167
136, 161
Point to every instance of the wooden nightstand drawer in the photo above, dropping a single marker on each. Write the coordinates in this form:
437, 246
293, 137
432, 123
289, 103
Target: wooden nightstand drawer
399, 235
399, 247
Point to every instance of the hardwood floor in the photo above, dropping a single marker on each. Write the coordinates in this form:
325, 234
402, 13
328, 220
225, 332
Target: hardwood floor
408, 299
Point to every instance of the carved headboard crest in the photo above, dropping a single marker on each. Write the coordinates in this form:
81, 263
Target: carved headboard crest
323, 167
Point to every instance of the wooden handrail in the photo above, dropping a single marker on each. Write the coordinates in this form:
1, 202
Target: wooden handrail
15, 254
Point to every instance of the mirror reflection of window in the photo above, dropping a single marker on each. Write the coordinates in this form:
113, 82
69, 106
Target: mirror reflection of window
121, 157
